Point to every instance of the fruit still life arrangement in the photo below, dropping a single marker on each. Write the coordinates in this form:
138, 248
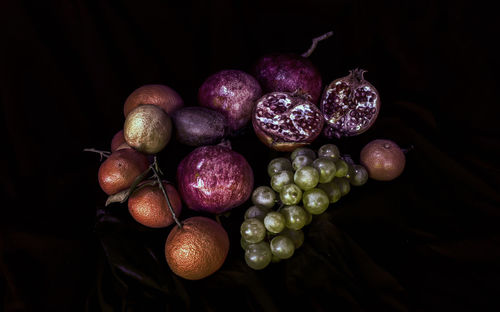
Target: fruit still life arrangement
288, 106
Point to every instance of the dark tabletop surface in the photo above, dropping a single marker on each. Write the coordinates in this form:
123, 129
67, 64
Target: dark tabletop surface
427, 241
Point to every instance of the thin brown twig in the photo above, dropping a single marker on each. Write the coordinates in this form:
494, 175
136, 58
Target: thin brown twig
160, 184
315, 43
102, 153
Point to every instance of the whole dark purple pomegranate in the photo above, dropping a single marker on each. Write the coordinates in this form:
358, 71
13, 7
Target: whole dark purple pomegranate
284, 121
350, 105
214, 179
288, 72
233, 93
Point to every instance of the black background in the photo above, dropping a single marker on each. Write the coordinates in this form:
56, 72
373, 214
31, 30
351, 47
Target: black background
427, 241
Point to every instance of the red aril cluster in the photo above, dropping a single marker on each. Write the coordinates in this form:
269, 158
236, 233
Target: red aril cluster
284, 122
350, 105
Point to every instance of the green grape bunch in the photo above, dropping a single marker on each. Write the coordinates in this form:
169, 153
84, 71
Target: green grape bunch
303, 185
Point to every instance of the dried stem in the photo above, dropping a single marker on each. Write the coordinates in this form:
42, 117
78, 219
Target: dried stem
315, 43
154, 167
102, 153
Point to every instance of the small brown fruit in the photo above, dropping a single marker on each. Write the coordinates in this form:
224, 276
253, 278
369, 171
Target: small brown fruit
118, 139
159, 95
147, 129
149, 207
383, 159
119, 171
198, 249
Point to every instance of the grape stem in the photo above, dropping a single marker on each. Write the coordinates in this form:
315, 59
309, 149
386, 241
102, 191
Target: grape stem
315, 43
102, 153
156, 171
281, 206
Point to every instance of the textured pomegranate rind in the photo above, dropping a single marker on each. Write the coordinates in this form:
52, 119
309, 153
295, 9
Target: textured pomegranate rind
214, 179
233, 93
289, 73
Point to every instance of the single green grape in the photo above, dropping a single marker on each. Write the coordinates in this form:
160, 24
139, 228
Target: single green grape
357, 175
332, 190
274, 222
297, 236
301, 161
330, 151
342, 168
303, 151
290, 194
244, 244
315, 201
253, 230
264, 196
306, 178
280, 179
256, 212
343, 185
326, 168
295, 217
258, 256
278, 164
282, 247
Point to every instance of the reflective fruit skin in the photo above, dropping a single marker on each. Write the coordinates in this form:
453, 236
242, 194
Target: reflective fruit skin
233, 93
198, 126
118, 139
258, 256
160, 95
149, 207
119, 171
148, 129
289, 73
214, 179
198, 249
383, 159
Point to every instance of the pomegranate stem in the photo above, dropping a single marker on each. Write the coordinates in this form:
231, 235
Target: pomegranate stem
225, 143
315, 43
102, 153
155, 167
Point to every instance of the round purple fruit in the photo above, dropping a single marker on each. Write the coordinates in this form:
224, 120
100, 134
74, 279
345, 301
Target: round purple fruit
289, 73
233, 93
214, 179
